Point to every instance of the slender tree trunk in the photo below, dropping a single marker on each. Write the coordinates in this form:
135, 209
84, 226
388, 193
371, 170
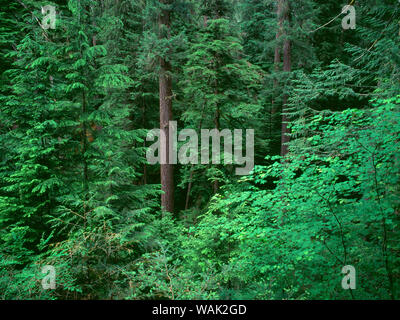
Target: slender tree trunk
165, 82
144, 178
84, 150
217, 114
217, 126
192, 166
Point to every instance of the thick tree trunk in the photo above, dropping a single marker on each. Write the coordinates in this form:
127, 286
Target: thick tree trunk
165, 82
287, 66
277, 57
277, 61
285, 120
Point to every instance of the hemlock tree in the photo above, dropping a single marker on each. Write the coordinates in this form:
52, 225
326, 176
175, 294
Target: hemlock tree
220, 90
166, 95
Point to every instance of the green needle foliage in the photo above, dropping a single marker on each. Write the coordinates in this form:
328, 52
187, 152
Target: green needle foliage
77, 192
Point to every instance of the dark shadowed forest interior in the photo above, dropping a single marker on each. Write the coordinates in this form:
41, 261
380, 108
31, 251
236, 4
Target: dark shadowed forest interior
82, 84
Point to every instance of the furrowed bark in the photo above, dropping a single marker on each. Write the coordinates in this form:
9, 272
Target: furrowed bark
165, 84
